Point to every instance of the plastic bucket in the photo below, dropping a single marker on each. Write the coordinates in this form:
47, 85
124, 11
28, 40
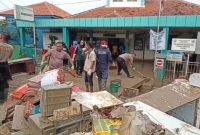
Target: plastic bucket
114, 87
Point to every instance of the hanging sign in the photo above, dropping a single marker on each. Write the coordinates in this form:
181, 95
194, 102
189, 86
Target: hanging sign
159, 63
174, 56
161, 43
188, 45
23, 13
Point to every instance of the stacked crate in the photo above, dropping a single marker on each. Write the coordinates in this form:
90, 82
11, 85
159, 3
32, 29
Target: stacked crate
54, 97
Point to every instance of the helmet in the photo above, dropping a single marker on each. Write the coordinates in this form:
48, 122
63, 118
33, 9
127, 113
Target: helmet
104, 43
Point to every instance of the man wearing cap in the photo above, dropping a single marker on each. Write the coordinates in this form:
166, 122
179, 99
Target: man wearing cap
56, 56
123, 60
103, 55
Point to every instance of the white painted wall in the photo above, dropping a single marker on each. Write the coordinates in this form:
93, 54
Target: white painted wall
125, 3
148, 54
47, 41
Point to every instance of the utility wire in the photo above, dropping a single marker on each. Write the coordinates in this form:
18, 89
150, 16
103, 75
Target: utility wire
78, 2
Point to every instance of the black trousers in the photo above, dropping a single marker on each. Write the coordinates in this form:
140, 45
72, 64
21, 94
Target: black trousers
122, 65
80, 66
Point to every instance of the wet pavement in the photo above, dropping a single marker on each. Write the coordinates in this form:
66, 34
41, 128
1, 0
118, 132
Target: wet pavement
146, 68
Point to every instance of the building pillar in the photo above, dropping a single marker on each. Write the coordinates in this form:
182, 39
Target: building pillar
126, 43
66, 36
22, 37
131, 40
161, 72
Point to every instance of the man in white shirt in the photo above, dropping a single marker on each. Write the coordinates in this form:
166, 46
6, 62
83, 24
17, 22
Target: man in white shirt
89, 67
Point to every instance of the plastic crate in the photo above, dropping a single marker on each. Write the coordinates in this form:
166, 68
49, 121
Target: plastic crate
101, 127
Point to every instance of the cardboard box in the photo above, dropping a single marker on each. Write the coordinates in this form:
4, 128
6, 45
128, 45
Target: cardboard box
39, 128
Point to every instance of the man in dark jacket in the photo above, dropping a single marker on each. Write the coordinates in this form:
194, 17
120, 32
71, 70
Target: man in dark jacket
103, 55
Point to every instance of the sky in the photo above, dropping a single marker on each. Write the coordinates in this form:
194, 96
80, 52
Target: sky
71, 6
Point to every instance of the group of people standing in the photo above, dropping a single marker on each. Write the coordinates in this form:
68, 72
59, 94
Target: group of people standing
84, 58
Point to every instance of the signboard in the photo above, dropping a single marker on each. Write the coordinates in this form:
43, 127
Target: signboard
23, 13
159, 63
188, 45
197, 51
161, 44
174, 56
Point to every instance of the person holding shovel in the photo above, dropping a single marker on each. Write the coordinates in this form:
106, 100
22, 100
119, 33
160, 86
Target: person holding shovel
123, 61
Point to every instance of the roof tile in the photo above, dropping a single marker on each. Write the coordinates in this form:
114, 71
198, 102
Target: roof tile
43, 9
171, 7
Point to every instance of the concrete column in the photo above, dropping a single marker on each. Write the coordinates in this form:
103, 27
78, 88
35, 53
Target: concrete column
22, 37
160, 72
66, 36
91, 36
131, 40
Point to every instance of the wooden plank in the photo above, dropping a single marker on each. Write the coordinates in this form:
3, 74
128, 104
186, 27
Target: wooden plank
18, 118
3, 113
169, 97
19, 60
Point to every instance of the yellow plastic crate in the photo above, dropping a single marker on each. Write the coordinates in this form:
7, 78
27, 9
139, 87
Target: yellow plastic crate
115, 122
101, 127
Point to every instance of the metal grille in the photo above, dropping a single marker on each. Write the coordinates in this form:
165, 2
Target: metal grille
176, 70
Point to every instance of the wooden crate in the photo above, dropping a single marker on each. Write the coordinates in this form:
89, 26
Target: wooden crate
47, 110
57, 90
54, 97
67, 130
129, 93
68, 112
58, 100
39, 128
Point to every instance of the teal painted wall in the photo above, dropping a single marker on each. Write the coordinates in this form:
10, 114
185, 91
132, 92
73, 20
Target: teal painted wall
144, 21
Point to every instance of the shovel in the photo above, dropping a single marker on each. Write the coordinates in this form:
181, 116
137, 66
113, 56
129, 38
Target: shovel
134, 69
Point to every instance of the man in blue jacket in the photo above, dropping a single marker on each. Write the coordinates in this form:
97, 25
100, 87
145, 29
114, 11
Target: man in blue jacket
103, 56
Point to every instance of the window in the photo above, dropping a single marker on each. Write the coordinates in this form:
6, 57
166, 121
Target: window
117, 0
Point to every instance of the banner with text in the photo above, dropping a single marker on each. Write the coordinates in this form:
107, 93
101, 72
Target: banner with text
157, 41
187, 45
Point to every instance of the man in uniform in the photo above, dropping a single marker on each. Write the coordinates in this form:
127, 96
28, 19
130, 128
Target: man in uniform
6, 51
56, 57
103, 55
123, 61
